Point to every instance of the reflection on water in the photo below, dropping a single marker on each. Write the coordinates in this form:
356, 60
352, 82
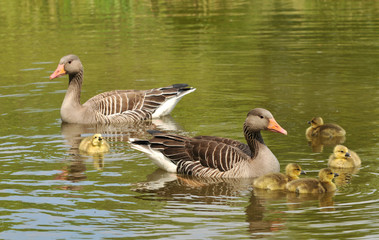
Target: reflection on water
345, 175
317, 143
161, 185
74, 133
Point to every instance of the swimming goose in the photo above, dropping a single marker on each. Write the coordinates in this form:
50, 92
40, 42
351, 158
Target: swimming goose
318, 128
94, 144
278, 181
313, 185
208, 156
343, 157
118, 106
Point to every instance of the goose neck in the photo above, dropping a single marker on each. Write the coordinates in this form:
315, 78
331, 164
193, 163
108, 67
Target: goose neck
253, 139
74, 88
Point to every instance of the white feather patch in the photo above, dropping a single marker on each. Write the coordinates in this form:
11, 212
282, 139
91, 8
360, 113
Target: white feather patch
157, 157
167, 107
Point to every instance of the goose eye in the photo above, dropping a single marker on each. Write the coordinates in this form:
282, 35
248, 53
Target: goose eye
69, 62
261, 117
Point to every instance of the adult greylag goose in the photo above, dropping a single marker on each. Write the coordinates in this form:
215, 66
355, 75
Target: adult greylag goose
319, 129
312, 185
278, 181
94, 144
342, 157
118, 106
208, 156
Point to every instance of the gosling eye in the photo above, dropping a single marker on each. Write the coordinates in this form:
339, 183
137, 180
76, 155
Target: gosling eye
342, 151
69, 62
95, 137
261, 117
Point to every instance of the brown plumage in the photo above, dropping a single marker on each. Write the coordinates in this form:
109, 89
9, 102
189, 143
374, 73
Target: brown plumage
207, 156
343, 157
118, 106
278, 181
318, 128
313, 185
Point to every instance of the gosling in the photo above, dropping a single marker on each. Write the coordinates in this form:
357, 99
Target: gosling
328, 130
342, 157
278, 181
94, 144
313, 185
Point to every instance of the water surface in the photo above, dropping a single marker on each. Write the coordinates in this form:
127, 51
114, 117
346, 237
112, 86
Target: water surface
299, 59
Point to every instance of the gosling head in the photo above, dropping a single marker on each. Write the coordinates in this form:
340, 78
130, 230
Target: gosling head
97, 140
294, 170
327, 175
341, 152
316, 122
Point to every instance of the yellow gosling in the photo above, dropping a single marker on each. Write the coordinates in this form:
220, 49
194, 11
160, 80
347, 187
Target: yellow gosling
318, 128
94, 144
313, 185
342, 157
278, 181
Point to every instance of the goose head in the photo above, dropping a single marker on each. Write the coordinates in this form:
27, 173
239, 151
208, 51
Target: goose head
69, 64
261, 119
316, 122
294, 170
341, 152
326, 175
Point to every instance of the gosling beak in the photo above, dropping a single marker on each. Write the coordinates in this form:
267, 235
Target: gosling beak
303, 172
273, 126
100, 138
347, 155
309, 122
58, 72
336, 174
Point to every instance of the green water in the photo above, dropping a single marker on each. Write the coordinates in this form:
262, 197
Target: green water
299, 59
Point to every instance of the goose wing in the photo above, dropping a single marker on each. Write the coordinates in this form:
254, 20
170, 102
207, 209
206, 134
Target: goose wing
198, 156
116, 102
121, 101
244, 147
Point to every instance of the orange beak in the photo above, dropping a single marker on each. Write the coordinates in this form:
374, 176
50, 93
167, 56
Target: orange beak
273, 126
58, 72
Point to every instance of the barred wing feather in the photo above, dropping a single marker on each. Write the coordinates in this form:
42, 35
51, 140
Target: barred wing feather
192, 155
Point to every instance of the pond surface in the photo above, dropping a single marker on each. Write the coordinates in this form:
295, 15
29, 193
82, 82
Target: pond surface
299, 59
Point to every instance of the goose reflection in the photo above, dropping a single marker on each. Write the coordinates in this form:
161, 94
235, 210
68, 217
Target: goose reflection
73, 171
345, 175
171, 185
162, 185
317, 143
121, 132
74, 133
